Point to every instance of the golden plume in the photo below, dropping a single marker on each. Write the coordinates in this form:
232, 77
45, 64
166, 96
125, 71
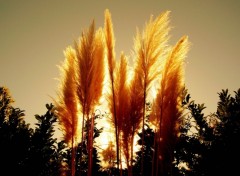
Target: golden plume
132, 120
90, 60
67, 103
122, 100
130, 102
84, 52
167, 106
96, 87
84, 49
150, 49
121, 91
110, 44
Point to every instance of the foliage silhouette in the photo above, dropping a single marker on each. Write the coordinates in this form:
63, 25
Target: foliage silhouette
15, 136
208, 145
42, 153
192, 143
224, 151
147, 152
23, 150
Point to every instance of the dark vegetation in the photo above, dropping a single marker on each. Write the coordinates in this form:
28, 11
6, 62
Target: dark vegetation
208, 145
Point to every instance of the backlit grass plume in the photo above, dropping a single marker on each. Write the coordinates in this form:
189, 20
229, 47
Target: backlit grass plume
90, 74
121, 99
132, 119
110, 44
121, 92
167, 108
67, 103
150, 48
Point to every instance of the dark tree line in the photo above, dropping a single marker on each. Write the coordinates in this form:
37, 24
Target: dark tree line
213, 149
207, 145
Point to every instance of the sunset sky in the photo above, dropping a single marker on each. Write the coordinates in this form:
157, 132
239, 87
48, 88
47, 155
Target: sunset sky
34, 34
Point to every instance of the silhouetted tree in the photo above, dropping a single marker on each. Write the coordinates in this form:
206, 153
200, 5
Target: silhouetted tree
14, 136
193, 139
147, 151
209, 145
5, 104
43, 146
223, 156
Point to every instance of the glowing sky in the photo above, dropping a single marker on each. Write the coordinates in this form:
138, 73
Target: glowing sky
33, 35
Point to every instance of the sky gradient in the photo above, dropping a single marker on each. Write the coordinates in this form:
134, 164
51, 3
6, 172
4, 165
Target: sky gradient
34, 34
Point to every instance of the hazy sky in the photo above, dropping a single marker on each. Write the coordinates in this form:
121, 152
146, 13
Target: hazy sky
33, 35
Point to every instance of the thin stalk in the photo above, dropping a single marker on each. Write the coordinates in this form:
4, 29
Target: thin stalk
143, 130
154, 154
90, 146
73, 161
81, 143
115, 121
131, 159
109, 36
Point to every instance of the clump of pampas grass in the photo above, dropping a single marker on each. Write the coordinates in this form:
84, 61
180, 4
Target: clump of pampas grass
92, 61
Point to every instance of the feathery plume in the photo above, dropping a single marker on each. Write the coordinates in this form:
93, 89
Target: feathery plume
84, 71
96, 86
135, 116
90, 60
150, 48
132, 119
110, 44
122, 100
121, 91
167, 106
66, 106
84, 51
